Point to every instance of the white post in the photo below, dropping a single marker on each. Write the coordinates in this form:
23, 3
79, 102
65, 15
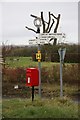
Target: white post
61, 81
62, 55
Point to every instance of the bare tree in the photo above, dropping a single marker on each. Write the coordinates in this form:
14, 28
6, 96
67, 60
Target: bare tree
47, 26
53, 22
6, 49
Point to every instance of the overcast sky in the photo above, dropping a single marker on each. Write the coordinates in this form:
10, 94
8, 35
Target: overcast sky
16, 15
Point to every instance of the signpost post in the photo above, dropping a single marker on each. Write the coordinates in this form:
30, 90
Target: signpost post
37, 23
62, 55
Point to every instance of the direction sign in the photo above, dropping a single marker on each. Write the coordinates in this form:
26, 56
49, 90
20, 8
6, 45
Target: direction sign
33, 42
45, 38
52, 35
38, 41
43, 41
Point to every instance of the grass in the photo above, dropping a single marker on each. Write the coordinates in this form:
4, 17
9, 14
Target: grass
40, 108
26, 62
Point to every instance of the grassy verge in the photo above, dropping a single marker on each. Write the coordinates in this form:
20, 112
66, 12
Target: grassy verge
40, 108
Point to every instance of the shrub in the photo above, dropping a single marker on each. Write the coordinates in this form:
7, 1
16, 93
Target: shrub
13, 75
72, 58
44, 75
50, 75
70, 73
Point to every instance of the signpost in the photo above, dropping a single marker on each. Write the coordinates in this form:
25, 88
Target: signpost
45, 38
62, 53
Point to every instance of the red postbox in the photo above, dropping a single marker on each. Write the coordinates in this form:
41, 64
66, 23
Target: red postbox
32, 77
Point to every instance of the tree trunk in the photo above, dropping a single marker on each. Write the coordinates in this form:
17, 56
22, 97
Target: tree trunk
4, 65
55, 41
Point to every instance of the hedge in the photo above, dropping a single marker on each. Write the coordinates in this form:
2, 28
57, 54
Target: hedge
48, 75
69, 57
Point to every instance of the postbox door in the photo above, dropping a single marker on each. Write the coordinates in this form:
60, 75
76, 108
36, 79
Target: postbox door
35, 76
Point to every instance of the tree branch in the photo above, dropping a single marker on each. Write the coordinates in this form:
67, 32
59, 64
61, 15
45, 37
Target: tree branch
48, 22
31, 29
35, 16
43, 22
51, 26
58, 19
54, 16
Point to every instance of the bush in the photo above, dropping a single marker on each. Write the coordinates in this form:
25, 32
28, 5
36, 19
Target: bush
14, 75
69, 57
50, 75
70, 73
72, 58
44, 75
54, 57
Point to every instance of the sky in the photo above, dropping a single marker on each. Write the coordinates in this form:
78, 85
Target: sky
16, 15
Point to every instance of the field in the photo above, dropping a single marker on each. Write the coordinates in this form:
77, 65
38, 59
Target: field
26, 62
17, 102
